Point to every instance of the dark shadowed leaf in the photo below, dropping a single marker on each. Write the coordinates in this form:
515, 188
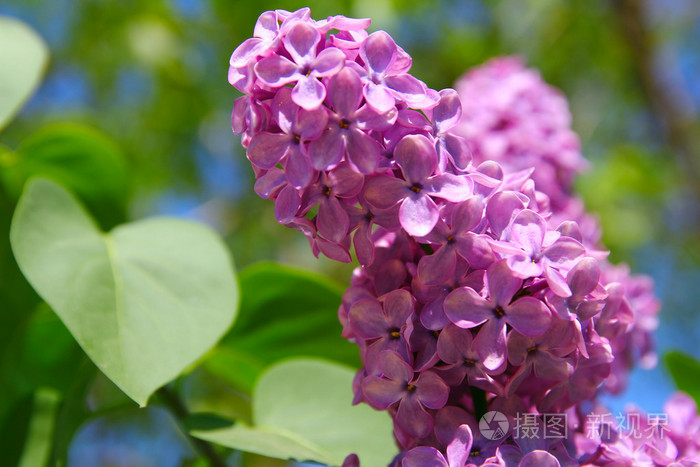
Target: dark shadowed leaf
80, 158
284, 312
685, 371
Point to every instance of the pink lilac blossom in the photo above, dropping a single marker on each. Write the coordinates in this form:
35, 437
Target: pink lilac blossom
483, 284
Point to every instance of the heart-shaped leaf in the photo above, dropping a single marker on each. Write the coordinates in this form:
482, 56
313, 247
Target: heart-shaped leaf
144, 301
302, 410
24, 56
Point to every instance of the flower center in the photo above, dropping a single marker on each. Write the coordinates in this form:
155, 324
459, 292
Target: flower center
498, 312
344, 124
416, 187
450, 239
469, 362
532, 349
297, 139
394, 333
410, 387
326, 191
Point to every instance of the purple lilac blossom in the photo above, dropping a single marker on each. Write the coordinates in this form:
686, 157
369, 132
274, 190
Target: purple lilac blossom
483, 282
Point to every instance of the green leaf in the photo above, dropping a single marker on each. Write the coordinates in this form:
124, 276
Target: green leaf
144, 301
80, 158
24, 56
685, 371
284, 312
302, 410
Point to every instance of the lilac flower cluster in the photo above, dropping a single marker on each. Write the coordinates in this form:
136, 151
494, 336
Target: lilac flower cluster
475, 290
513, 117
671, 438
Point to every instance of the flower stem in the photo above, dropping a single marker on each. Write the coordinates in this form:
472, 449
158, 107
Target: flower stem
177, 407
479, 399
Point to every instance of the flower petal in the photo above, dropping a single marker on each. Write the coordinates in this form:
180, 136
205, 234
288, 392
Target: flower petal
418, 215
431, 390
246, 52
490, 343
424, 456
448, 111
378, 52
459, 450
332, 221
500, 210
310, 123
345, 92
327, 150
454, 188
528, 229
364, 247
363, 151
298, 168
398, 306
466, 308
276, 71
502, 284
417, 158
454, 344
308, 93
550, 367
539, 459
411, 90
583, 278
467, 215
413, 418
380, 393
300, 41
266, 149
438, 267
378, 97
287, 204
556, 282
529, 316
394, 367
328, 62
476, 250
383, 192
458, 150
367, 319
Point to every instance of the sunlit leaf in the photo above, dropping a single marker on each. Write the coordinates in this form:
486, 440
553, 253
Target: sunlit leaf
144, 301
302, 410
24, 55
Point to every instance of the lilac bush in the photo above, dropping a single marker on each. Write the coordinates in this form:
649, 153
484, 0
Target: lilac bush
482, 282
